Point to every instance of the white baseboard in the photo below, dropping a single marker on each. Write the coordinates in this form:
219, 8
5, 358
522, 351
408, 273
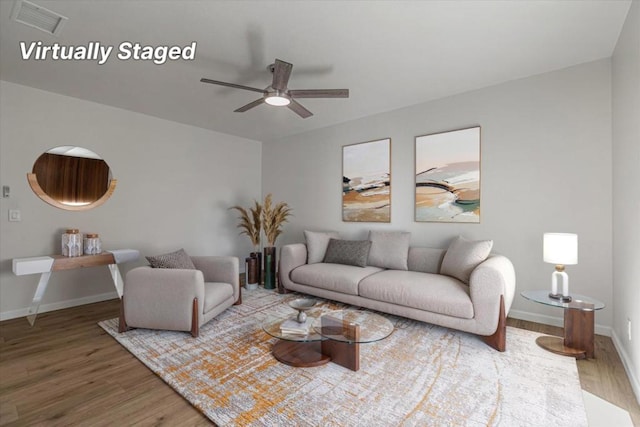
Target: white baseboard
13, 314
553, 321
628, 366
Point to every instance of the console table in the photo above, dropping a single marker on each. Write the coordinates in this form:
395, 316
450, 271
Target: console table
45, 265
579, 324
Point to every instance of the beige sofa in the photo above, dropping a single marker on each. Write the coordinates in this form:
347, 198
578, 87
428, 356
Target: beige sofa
420, 292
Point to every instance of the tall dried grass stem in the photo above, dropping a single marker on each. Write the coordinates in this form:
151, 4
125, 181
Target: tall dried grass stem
250, 222
273, 218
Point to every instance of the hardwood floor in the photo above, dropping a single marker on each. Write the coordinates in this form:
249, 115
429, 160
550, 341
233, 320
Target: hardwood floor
67, 371
603, 376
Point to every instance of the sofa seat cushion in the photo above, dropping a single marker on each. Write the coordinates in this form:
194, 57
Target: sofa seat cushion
215, 293
425, 291
333, 277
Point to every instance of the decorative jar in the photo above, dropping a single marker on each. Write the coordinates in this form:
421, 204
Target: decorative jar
72, 243
92, 244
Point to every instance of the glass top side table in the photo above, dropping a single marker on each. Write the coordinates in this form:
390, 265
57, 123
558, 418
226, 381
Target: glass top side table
579, 324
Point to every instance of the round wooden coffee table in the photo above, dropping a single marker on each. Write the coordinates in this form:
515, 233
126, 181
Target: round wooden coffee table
299, 350
335, 336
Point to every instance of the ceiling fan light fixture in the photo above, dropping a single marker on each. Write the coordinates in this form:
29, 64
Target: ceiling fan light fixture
278, 99
278, 94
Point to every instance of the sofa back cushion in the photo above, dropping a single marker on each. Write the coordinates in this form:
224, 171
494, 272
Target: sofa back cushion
317, 242
425, 260
463, 256
389, 249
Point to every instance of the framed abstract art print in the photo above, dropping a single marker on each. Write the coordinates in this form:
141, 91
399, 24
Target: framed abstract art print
366, 181
448, 176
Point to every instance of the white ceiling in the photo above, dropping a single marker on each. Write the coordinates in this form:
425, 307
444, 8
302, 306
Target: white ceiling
390, 54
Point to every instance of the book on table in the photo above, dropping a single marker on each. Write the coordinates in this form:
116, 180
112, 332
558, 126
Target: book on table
292, 326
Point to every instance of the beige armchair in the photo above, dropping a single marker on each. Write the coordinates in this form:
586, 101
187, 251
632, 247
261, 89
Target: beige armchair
179, 299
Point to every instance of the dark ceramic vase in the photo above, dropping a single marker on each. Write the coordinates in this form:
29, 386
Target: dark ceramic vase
253, 272
270, 267
258, 266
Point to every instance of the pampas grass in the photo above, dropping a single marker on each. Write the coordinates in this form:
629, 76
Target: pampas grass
273, 218
250, 222
263, 217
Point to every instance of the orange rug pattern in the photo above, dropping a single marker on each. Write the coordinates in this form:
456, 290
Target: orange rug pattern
422, 375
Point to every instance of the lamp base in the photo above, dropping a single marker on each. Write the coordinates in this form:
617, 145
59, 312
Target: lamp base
560, 297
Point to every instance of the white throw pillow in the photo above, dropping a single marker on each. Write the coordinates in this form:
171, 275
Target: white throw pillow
317, 242
463, 256
389, 249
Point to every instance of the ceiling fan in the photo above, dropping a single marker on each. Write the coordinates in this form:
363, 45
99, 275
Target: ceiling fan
279, 95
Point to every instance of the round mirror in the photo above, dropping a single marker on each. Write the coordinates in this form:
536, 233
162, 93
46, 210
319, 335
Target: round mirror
72, 178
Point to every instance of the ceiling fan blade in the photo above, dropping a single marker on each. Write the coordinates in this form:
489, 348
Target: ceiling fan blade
249, 105
299, 109
281, 73
216, 82
319, 93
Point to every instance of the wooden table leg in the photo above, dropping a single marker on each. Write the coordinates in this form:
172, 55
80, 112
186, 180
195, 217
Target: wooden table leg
578, 338
299, 354
579, 331
556, 345
343, 353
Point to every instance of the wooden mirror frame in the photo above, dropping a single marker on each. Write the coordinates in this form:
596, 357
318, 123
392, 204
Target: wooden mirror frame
97, 200
33, 182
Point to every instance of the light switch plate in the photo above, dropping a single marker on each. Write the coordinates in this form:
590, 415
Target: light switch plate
14, 215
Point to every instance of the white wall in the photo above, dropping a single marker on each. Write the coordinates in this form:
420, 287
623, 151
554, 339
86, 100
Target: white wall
546, 166
175, 184
626, 194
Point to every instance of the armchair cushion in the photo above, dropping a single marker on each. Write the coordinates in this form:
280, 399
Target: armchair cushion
215, 293
177, 259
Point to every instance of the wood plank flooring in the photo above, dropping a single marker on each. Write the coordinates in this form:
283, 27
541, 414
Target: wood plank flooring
603, 376
67, 371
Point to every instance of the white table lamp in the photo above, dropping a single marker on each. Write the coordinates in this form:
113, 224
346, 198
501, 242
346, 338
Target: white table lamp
560, 249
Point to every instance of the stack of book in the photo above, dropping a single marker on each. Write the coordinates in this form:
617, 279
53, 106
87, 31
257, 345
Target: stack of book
292, 326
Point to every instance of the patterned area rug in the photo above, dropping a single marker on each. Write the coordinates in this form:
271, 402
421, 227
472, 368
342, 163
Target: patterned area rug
421, 375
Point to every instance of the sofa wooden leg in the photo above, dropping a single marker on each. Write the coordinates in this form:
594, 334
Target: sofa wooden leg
239, 300
195, 319
122, 323
499, 338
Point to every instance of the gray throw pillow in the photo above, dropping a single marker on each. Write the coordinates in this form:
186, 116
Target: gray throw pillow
317, 242
177, 259
349, 252
389, 249
463, 256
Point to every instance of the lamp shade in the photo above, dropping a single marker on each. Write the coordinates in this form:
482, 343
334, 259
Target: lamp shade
560, 248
